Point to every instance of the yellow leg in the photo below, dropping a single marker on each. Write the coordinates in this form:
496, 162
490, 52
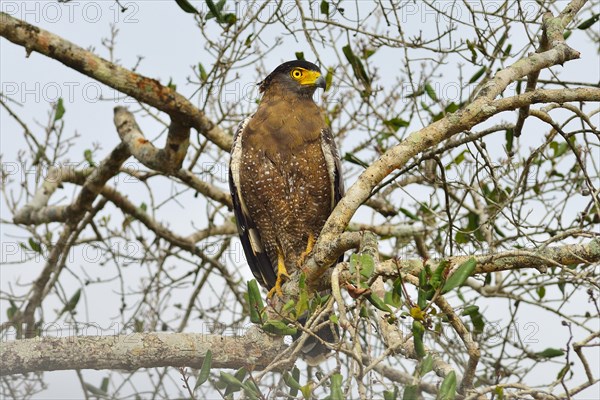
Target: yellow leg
309, 246
281, 274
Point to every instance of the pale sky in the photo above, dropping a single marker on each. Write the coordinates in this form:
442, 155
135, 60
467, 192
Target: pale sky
168, 40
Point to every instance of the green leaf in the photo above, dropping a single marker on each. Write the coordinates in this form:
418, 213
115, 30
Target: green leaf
390, 395
215, 10
299, 55
104, 384
451, 108
302, 303
418, 331
328, 78
302, 281
359, 70
425, 366
436, 278
368, 53
288, 307
35, 246
251, 390
255, 302
468, 310
87, 155
567, 33
367, 264
364, 313
550, 353
448, 387
324, 7
561, 374
203, 73
408, 214
336, 387
171, 85
229, 18
306, 391
392, 298
423, 289
204, 370
411, 392
589, 22
60, 110
398, 286
248, 41
350, 157
509, 136
541, 292
12, 310
72, 303
459, 158
476, 318
471, 47
292, 383
186, 6
396, 123
559, 148
240, 374
477, 75
430, 92
473, 225
499, 390
138, 325
460, 275
500, 43
276, 327
561, 286
94, 390
378, 303
233, 383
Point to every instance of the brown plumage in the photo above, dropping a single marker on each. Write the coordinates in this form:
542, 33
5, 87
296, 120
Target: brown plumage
284, 173
285, 179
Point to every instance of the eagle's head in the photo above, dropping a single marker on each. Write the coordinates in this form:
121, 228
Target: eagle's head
298, 76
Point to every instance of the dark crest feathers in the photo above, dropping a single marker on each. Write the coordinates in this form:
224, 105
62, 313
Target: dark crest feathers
285, 68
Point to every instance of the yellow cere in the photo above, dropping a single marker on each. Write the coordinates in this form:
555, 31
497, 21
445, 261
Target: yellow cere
305, 76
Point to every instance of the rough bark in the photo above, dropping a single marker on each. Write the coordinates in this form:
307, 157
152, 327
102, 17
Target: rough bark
254, 349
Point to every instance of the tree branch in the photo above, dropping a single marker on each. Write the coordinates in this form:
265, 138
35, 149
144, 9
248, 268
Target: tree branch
482, 108
143, 89
586, 253
254, 350
167, 160
37, 211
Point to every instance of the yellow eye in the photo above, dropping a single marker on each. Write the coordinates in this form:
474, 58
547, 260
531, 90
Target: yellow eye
296, 73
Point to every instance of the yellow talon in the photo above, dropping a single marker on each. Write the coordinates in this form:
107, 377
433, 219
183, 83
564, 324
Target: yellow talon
309, 246
281, 274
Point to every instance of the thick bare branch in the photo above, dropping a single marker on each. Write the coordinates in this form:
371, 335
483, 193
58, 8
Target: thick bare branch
253, 350
144, 89
586, 253
165, 160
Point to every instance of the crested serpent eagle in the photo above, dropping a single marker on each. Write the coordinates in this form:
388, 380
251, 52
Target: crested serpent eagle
284, 174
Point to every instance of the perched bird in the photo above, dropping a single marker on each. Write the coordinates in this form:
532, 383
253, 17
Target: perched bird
284, 174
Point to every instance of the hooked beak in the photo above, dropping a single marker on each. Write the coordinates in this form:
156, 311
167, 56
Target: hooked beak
320, 82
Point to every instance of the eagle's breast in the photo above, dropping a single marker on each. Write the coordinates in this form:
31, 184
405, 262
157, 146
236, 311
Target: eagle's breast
286, 183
